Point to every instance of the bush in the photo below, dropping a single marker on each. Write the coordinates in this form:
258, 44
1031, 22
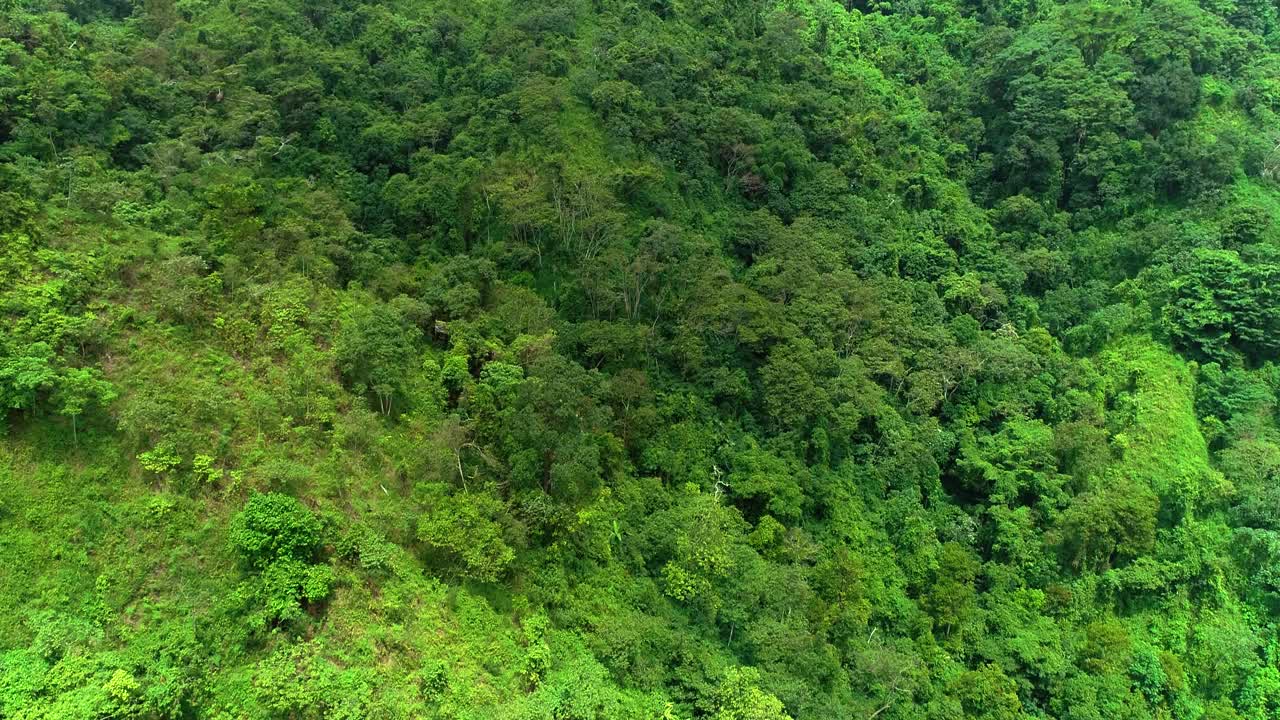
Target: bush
278, 540
273, 528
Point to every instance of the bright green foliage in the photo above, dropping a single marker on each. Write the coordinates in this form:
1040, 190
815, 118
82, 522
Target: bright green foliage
1115, 522
26, 375
298, 682
160, 459
278, 539
740, 698
464, 528
988, 694
271, 528
77, 389
670, 359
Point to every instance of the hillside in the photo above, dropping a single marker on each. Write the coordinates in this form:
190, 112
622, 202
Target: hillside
653, 359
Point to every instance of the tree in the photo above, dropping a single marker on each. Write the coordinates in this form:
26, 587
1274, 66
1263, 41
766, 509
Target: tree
466, 527
277, 539
24, 376
374, 349
987, 694
951, 598
820, 337
1221, 305
273, 527
739, 697
76, 389
1115, 522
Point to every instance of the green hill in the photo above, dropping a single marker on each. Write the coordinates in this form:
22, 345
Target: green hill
654, 359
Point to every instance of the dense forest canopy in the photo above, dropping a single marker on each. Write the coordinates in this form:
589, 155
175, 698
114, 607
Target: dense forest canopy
653, 359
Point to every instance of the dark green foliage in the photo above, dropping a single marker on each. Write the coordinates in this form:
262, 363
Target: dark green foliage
374, 350
1115, 523
1222, 304
667, 359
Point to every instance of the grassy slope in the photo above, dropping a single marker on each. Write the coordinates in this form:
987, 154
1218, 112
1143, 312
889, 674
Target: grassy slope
1163, 446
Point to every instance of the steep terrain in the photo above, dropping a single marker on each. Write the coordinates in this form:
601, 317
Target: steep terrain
729, 359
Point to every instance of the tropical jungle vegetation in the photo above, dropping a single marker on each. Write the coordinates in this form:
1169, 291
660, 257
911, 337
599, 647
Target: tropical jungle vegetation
653, 359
